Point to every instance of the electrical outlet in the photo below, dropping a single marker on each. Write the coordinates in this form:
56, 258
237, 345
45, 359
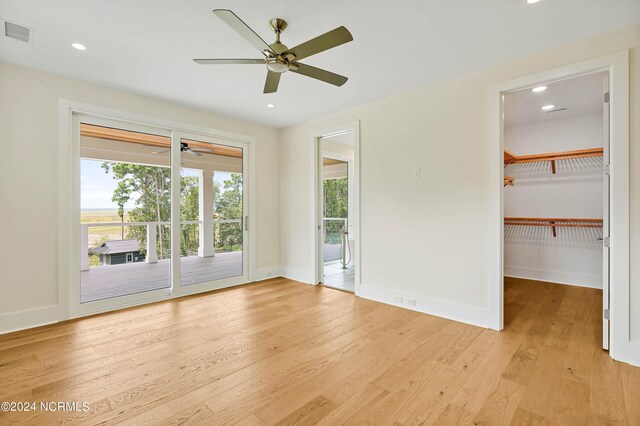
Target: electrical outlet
411, 302
398, 299
416, 172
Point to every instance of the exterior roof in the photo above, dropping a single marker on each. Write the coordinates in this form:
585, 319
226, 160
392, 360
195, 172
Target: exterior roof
118, 246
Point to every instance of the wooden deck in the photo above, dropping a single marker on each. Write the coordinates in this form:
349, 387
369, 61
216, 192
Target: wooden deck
119, 280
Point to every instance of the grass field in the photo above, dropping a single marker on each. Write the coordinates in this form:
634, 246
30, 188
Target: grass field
99, 234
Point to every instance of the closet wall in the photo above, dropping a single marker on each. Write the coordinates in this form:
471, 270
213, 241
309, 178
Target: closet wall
574, 256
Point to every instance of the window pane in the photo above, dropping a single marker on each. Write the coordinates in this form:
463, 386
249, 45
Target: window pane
125, 212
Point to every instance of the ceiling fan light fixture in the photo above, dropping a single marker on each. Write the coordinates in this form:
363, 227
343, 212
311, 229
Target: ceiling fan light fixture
277, 65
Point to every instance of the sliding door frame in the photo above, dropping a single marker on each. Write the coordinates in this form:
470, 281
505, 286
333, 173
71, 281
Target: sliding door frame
176, 166
69, 114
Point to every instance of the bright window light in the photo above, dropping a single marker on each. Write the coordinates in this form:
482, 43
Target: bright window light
79, 46
271, 106
532, 1
539, 89
548, 107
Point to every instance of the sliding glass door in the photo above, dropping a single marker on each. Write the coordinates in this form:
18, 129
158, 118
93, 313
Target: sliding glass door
212, 211
141, 196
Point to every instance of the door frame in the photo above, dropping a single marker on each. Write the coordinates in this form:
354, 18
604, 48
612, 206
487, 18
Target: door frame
617, 64
350, 208
69, 203
180, 290
316, 238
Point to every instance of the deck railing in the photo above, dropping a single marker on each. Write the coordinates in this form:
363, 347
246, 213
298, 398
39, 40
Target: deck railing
151, 246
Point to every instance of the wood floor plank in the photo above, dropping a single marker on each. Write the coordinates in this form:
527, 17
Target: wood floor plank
280, 352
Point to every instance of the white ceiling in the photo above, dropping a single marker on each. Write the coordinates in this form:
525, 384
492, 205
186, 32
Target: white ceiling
579, 95
147, 46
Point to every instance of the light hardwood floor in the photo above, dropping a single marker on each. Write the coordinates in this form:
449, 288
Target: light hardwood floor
281, 352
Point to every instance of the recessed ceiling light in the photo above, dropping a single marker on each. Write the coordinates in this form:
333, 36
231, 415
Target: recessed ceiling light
271, 106
79, 46
548, 107
532, 1
539, 89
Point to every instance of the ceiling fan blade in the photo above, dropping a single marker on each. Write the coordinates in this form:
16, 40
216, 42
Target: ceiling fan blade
273, 79
191, 152
228, 61
201, 150
321, 43
243, 29
319, 74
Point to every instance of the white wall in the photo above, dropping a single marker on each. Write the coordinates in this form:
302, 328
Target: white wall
29, 183
574, 256
426, 238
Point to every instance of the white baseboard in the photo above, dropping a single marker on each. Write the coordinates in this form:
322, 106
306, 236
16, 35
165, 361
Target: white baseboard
297, 274
625, 350
266, 273
441, 308
21, 320
568, 278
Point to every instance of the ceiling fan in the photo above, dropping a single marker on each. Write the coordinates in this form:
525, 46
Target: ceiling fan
279, 58
184, 147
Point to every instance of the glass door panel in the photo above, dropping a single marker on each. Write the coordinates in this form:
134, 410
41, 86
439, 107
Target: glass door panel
125, 200
212, 211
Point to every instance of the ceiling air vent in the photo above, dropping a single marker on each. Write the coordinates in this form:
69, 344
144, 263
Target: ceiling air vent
17, 32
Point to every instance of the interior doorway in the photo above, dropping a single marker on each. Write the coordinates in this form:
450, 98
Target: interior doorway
556, 202
337, 248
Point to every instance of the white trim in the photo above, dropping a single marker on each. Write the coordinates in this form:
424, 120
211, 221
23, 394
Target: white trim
15, 321
316, 249
621, 347
69, 203
267, 273
300, 275
438, 307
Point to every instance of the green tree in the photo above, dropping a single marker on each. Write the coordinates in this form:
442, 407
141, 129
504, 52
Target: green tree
229, 206
189, 201
336, 205
153, 204
190, 211
152, 187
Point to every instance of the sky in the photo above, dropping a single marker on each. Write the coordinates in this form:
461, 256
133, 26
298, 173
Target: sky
96, 187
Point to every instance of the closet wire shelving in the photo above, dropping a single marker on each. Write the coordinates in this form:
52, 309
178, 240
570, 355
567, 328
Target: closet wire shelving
552, 157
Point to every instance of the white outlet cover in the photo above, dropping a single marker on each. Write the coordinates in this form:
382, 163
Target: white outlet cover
416, 172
